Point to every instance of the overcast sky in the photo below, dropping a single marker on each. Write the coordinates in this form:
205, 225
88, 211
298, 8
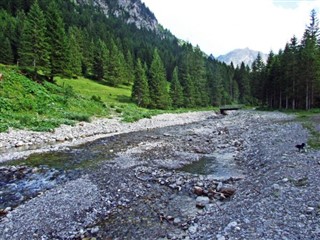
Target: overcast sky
220, 26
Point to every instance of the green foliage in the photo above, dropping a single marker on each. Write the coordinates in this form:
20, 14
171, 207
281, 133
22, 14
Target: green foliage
6, 54
27, 104
74, 55
34, 49
176, 93
100, 61
116, 65
157, 84
140, 88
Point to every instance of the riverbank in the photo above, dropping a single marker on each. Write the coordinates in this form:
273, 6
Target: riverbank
16, 144
268, 191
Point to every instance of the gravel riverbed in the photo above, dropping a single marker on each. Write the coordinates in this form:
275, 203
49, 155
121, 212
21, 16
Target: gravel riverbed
189, 176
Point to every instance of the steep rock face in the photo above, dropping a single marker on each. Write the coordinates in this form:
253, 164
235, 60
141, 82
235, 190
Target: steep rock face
139, 14
238, 56
131, 11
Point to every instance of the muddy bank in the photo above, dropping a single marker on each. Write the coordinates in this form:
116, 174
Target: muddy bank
251, 184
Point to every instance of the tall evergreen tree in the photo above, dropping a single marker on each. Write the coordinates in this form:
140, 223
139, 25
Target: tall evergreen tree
188, 87
34, 49
176, 93
6, 55
140, 88
74, 53
198, 75
115, 65
158, 84
310, 60
242, 77
57, 41
129, 69
257, 77
100, 62
8, 36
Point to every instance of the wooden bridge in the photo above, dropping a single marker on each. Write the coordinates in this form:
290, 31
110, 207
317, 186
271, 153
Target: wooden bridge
225, 108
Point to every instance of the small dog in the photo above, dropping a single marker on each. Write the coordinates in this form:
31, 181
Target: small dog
300, 146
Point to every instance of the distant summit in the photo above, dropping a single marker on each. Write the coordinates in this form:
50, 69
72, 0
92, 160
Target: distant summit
238, 56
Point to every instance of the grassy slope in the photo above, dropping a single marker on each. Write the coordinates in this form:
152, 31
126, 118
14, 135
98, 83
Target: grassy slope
41, 107
91, 88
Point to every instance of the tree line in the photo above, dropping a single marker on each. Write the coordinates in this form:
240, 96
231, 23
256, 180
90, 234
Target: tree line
291, 78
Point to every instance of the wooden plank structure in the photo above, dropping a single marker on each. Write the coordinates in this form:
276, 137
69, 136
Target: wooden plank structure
225, 108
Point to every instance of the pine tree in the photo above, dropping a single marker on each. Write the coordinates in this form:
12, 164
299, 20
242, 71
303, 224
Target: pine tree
242, 76
87, 47
140, 88
257, 77
185, 78
100, 62
74, 53
310, 71
158, 84
34, 49
129, 71
198, 75
6, 55
115, 65
8, 36
57, 41
176, 93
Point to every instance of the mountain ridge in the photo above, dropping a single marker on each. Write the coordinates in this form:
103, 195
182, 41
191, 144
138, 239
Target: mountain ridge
130, 11
239, 55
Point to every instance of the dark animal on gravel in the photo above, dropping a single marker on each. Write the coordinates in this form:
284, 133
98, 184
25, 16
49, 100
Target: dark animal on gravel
300, 146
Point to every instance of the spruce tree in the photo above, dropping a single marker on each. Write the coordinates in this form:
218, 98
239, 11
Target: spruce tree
34, 49
310, 64
74, 53
158, 83
129, 71
115, 65
57, 41
6, 55
100, 61
186, 81
176, 93
140, 88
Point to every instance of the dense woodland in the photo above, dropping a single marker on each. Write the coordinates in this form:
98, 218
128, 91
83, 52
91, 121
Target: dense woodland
60, 38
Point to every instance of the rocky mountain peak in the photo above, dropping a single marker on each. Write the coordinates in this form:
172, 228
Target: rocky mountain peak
131, 11
238, 56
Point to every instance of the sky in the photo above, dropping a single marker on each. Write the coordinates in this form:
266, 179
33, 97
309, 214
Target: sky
220, 26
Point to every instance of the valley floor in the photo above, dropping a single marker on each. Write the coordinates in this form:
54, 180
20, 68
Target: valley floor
269, 190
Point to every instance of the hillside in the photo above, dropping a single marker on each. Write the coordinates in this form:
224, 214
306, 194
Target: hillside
42, 107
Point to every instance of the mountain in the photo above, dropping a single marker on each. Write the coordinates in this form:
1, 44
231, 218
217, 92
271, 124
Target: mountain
130, 11
238, 56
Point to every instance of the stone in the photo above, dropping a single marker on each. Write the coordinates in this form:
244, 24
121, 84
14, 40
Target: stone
198, 191
201, 201
177, 221
95, 230
19, 144
193, 229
